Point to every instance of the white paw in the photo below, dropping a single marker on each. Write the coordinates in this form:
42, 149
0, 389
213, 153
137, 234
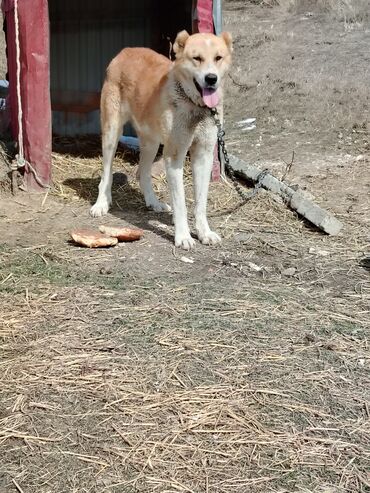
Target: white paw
99, 209
184, 241
210, 238
158, 206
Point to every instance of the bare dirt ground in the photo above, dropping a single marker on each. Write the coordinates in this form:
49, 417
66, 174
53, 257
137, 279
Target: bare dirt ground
234, 369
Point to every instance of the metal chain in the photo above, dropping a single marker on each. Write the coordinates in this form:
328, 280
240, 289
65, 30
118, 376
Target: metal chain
245, 196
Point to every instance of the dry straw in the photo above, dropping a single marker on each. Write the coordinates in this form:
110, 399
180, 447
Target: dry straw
173, 377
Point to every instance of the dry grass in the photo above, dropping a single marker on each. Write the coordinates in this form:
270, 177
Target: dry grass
157, 402
350, 11
164, 376
84, 169
229, 393
129, 370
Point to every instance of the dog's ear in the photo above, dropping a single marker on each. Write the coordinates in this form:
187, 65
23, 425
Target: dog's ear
180, 41
226, 36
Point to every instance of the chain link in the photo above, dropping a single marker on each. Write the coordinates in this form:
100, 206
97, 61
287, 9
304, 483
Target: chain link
245, 196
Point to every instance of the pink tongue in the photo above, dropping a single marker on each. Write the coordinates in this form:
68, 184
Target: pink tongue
210, 97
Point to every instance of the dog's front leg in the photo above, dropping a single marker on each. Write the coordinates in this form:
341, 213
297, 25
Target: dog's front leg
202, 160
174, 160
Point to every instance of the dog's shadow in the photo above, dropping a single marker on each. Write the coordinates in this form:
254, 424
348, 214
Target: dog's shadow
128, 203
86, 146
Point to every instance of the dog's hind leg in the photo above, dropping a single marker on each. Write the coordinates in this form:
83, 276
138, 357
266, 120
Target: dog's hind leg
201, 154
113, 117
148, 151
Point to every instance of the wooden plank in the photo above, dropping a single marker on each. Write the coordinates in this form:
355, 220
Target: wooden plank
321, 218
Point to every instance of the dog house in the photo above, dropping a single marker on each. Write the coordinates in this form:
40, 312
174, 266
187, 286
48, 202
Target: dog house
57, 54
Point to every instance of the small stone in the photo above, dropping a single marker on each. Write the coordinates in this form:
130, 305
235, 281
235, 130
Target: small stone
254, 267
317, 251
187, 260
243, 237
289, 272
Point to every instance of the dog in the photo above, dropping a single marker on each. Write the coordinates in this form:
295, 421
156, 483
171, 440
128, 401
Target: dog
168, 103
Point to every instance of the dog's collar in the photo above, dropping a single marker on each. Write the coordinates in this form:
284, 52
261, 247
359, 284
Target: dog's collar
180, 91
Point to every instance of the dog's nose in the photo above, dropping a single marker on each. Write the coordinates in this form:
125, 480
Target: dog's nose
210, 79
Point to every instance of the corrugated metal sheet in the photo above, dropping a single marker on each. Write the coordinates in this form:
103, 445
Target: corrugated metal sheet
86, 35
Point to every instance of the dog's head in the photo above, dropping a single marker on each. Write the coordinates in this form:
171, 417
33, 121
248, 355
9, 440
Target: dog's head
201, 62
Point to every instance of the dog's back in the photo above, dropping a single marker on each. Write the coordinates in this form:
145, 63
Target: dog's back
136, 75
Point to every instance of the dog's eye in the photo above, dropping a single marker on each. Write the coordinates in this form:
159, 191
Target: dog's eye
197, 58
218, 58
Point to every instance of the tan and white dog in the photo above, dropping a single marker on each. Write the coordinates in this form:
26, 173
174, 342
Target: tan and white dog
169, 103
